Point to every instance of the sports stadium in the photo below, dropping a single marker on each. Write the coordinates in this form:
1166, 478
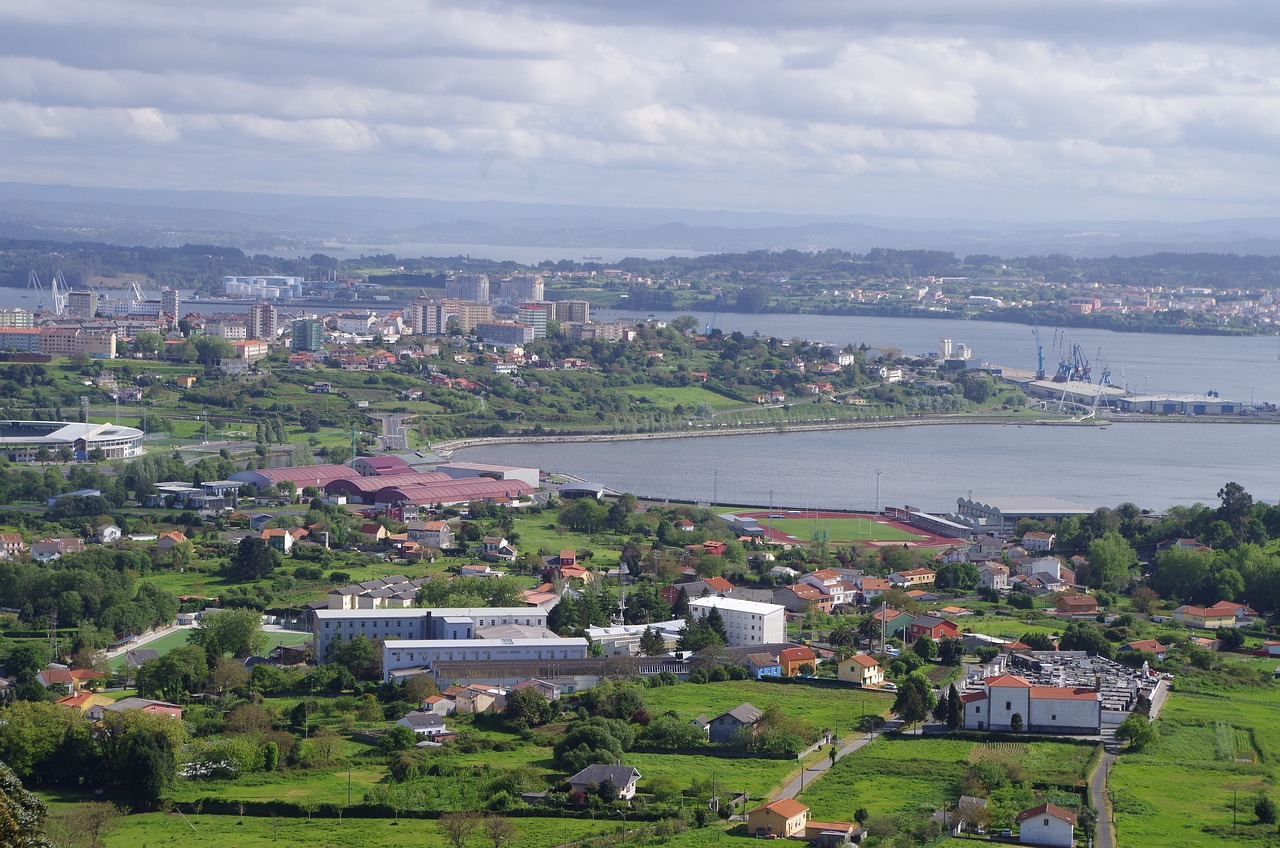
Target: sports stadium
22, 441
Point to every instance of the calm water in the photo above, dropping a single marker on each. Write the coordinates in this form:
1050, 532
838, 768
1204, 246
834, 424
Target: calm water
1153, 465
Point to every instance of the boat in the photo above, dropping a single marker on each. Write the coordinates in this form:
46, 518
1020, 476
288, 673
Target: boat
591, 257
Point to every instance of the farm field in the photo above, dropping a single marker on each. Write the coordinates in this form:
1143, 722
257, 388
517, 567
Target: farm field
912, 775
1199, 763
822, 707
156, 830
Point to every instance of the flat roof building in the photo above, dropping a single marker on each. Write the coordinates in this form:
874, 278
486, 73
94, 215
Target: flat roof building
745, 622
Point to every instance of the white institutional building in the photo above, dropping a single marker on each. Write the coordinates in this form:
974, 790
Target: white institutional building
416, 623
745, 622
1043, 709
400, 654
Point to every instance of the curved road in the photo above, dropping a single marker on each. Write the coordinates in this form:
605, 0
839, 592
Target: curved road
811, 773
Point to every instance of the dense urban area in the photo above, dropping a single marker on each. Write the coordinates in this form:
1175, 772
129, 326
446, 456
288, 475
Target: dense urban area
248, 593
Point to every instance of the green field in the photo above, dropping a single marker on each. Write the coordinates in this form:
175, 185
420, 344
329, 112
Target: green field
690, 397
178, 638
225, 831
839, 529
822, 707
1192, 768
910, 775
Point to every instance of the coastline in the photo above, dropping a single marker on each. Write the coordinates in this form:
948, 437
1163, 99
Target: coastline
922, 421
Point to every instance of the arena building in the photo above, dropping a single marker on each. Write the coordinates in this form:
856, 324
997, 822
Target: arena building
22, 441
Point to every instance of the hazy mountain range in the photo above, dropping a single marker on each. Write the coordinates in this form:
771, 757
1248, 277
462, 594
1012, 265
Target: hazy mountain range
290, 223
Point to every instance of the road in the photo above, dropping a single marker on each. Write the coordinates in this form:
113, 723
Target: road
807, 775
1104, 834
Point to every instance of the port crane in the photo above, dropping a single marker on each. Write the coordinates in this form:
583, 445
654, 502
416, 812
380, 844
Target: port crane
1039, 352
57, 292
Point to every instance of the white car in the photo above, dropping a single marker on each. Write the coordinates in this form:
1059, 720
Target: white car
892, 687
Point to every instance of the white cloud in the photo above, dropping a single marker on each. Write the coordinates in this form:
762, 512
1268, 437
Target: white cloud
1167, 108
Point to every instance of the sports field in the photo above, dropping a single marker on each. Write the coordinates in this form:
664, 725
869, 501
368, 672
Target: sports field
837, 528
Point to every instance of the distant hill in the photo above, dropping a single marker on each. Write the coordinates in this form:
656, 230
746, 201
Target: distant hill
270, 223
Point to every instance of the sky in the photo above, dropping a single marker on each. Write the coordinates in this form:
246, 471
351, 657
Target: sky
1019, 110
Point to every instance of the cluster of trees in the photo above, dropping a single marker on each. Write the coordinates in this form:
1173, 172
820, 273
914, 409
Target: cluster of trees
96, 587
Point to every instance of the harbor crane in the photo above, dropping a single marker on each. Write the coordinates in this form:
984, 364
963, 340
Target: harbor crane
1039, 352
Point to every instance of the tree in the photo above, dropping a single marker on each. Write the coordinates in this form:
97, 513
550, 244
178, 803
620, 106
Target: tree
458, 826
526, 707
955, 708
397, 738
651, 643
237, 632
359, 655
174, 675
1137, 730
147, 767
1182, 573
925, 648
715, 623
84, 824
1083, 636
915, 698
253, 559
1111, 561
22, 815
941, 708
843, 636
228, 675
1015, 722
500, 831
1236, 510
1265, 809
950, 650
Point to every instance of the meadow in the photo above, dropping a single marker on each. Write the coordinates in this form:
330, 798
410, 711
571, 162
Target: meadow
822, 707
155, 830
913, 775
1195, 767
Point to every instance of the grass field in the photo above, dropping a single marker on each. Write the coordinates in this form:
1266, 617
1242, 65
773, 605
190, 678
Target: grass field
850, 529
690, 397
838, 709
155, 830
1192, 768
909, 776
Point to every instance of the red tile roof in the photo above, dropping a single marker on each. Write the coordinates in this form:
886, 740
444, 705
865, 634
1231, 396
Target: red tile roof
1047, 810
785, 807
1007, 680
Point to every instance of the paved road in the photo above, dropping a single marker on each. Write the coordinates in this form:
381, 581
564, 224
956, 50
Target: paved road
1104, 833
812, 773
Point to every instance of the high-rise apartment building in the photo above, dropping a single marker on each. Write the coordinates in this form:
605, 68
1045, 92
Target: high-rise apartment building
535, 315
572, 311
264, 321
82, 305
473, 287
308, 334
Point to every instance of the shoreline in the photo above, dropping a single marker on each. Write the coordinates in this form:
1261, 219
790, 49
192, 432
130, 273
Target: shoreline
452, 445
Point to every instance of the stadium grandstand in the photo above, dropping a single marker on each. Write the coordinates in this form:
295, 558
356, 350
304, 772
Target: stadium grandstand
23, 441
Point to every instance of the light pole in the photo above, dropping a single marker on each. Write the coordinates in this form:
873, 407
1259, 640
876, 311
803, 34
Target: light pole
878, 473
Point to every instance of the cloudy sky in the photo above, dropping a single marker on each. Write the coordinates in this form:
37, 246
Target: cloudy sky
1001, 109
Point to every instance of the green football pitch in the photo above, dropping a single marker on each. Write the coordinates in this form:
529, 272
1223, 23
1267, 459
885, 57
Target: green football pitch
839, 529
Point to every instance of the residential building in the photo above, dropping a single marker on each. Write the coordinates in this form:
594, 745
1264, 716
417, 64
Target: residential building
572, 311
47, 550
427, 317
264, 322
1221, 614
1147, 646
745, 622
107, 533
933, 627
724, 728
1077, 605
11, 545
784, 818
433, 534
797, 661
503, 335
911, 578
1047, 824
763, 665
467, 314
623, 778
1036, 541
473, 287
861, 670
524, 288
993, 575
82, 305
534, 315
424, 724
308, 335
279, 539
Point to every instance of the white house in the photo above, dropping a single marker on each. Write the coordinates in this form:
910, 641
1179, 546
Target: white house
993, 575
623, 778
108, 533
425, 724
1047, 824
433, 534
